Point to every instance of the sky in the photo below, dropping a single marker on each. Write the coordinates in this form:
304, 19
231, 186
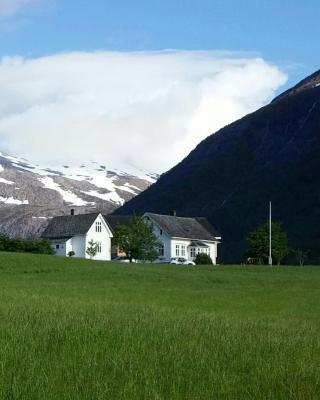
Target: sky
142, 82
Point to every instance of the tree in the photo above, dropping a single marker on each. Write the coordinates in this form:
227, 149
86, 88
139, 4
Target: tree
203, 259
301, 256
137, 240
92, 249
258, 243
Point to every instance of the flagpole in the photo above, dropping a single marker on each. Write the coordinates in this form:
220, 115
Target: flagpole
270, 233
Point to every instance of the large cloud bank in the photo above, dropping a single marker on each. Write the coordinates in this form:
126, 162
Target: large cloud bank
147, 110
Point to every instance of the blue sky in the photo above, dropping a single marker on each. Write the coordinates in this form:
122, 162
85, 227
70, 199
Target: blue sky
69, 67
285, 32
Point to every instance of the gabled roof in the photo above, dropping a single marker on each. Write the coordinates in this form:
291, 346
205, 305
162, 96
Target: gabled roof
69, 225
114, 220
185, 227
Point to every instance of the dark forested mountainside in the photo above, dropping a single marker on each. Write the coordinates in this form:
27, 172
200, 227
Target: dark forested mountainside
271, 154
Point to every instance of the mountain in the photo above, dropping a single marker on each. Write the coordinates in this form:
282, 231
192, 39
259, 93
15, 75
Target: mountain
30, 194
271, 154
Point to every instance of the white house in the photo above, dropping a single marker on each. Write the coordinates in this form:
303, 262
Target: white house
184, 237
74, 232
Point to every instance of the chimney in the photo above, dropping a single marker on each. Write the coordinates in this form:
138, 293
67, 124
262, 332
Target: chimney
173, 213
72, 211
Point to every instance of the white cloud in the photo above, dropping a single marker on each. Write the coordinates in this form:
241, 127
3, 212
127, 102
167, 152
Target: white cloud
10, 7
145, 109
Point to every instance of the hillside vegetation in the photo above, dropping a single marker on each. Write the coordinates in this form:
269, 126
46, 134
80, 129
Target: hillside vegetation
77, 329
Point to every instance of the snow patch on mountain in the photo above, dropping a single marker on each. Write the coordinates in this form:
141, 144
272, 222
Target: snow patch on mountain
111, 196
94, 173
2, 180
11, 200
91, 170
67, 196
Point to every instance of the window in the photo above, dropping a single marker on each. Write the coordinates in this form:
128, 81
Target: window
57, 246
99, 246
160, 231
183, 251
161, 250
192, 252
98, 226
177, 250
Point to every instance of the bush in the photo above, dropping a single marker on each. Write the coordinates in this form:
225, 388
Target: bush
203, 259
71, 253
36, 246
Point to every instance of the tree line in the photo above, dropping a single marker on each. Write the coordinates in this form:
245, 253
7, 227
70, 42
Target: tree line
18, 245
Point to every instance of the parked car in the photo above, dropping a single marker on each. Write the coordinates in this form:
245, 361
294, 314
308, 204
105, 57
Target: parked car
123, 259
181, 261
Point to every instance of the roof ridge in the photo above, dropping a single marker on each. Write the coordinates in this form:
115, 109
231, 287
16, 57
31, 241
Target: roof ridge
75, 215
173, 216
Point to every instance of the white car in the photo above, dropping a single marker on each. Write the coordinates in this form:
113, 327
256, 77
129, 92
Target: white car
181, 261
123, 259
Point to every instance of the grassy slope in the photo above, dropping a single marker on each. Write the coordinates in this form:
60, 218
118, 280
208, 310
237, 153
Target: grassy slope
75, 329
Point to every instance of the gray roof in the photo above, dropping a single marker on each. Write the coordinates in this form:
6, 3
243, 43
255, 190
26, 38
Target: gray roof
62, 240
185, 227
69, 225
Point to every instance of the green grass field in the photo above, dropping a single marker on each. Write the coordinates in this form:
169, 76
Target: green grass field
75, 329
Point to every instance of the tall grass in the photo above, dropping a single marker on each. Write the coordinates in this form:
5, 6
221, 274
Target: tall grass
76, 329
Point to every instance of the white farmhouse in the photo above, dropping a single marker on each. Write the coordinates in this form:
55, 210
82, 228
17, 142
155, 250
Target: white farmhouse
74, 232
184, 237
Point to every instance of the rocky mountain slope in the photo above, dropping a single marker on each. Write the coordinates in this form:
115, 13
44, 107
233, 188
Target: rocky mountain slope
30, 194
271, 154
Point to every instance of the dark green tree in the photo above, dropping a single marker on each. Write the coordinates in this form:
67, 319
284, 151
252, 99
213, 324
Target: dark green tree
203, 259
137, 240
258, 243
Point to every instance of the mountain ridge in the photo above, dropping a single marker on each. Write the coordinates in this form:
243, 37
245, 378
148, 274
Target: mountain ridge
30, 194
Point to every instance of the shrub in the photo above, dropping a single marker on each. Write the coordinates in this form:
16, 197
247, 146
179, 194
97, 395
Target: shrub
71, 253
203, 259
17, 245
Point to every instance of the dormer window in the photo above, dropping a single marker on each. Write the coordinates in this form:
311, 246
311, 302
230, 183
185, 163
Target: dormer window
98, 226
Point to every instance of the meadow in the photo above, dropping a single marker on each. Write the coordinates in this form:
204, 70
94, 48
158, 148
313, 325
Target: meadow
77, 329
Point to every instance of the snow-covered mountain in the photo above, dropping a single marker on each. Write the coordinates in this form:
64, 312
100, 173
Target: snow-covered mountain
30, 194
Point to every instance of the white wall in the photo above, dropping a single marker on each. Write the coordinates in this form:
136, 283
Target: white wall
213, 251
180, 243
185, 242
69, 246
164, 239
103, 237
79, 245
63, 249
